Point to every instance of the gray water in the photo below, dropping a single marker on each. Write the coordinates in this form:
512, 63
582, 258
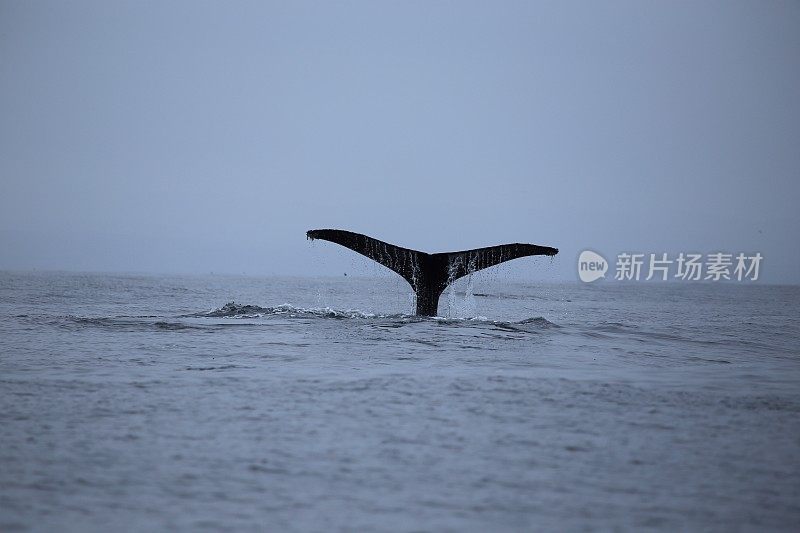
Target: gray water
146, 403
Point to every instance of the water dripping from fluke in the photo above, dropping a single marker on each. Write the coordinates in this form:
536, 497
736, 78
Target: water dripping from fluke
429, 274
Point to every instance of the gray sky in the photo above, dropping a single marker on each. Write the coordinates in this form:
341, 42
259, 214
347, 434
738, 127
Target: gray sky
209, 136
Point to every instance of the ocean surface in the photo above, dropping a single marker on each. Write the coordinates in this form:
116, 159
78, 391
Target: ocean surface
145, 403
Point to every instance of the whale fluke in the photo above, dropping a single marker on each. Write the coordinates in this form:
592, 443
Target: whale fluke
428, 274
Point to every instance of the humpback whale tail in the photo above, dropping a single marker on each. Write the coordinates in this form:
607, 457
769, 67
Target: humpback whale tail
428, 274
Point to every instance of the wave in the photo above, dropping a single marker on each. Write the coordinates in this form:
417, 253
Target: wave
539, 321
131, 323
503, 296
234, 310
232, 315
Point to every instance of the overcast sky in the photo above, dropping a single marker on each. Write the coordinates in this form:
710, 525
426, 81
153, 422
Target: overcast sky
209, 136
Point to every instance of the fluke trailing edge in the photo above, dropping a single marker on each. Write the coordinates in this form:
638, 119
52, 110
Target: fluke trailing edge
428, 274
